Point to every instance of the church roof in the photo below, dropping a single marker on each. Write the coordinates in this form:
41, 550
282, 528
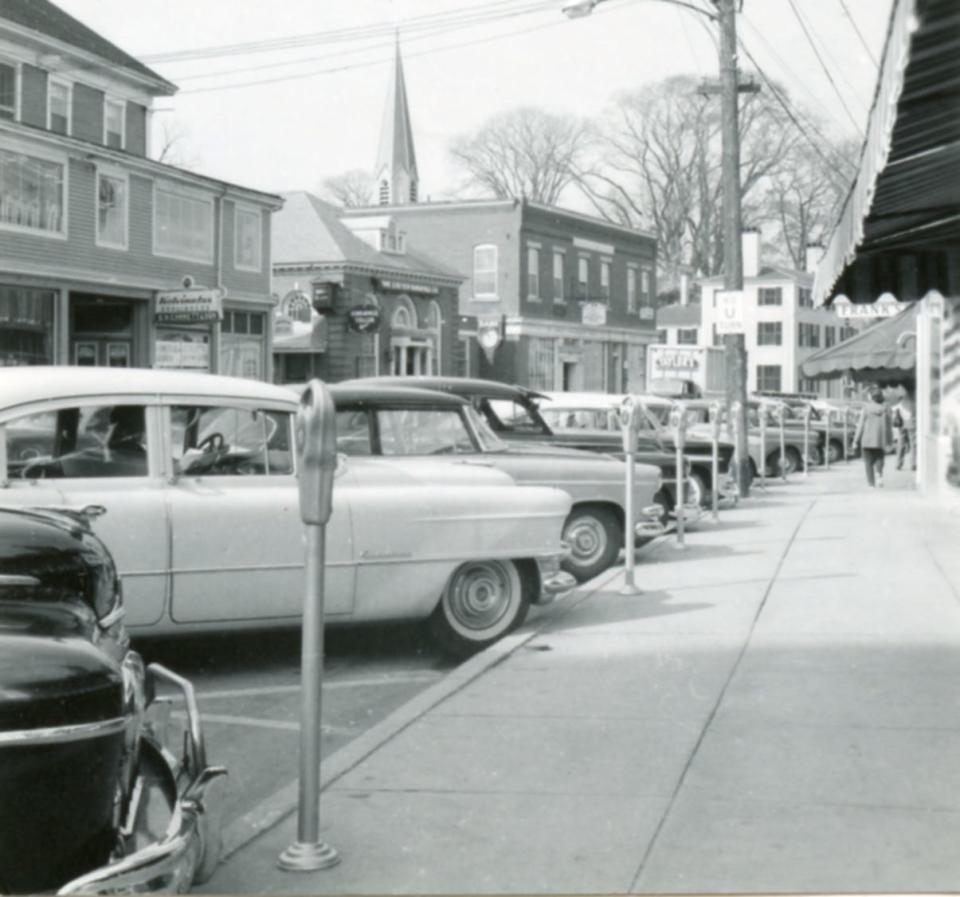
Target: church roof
396, 134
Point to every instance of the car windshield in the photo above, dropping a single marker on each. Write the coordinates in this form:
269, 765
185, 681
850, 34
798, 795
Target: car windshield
506, 416
423, 431
489, 441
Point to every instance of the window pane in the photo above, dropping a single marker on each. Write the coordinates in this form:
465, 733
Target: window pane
31, 192
423, 432
248, 239
214, 441
533, 273
183, 225
353, 433
112, 211
485, 271
113, 120
59, 100
8, 90
26, 326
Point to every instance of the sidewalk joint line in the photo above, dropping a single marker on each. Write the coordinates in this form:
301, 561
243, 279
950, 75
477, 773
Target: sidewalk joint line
651, 844
942, 572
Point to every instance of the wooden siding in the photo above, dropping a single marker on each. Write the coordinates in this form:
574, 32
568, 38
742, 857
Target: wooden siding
87, 113
33, 96
136, 125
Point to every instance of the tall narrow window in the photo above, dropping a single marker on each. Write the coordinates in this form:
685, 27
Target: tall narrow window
769, 333
111, 211
768, 378
583, 278
605, 281
58, 107
646, 297
31, 193
248, 239
8, 90
631, 289
114, 112
533, 273
558, 295
485, 272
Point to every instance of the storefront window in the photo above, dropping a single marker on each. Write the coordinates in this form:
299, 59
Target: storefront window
26, 326
243, 344
31, 192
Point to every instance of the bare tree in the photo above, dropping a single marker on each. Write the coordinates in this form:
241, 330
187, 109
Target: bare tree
526, 152
349, 189
173, 145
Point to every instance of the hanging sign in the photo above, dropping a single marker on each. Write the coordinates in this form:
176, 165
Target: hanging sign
190, 305
729, 311
886, 306
364, 318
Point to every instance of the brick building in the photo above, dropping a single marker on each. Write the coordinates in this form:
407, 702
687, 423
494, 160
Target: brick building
97, 239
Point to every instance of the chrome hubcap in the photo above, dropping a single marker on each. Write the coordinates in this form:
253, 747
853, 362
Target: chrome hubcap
480, 595
587, 538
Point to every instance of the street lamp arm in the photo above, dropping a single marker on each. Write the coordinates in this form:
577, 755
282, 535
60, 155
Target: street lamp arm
575, 9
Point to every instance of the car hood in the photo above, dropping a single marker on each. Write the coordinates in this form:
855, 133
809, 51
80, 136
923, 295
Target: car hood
549, 450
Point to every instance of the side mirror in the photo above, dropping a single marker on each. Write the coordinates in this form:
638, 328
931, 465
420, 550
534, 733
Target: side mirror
316, 436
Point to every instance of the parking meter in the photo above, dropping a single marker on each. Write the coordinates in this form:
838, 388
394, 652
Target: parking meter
805, 412
846, 435
779, 416
316, 443
629, 414
763, 448
678, 420
715, 458
826, 445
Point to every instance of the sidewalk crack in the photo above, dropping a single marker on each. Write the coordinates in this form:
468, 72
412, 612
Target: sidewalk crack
652, 843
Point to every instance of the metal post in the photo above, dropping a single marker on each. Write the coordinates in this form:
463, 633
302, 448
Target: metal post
763, 449
806, 441
715, 459
628, 430
316, 445
783, 443
826, 447
679, 421
846, 423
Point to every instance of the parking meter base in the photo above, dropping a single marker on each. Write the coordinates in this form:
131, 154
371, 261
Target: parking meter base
302, 857
628, 588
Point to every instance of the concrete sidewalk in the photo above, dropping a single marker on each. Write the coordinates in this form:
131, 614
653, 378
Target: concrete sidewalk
777, 712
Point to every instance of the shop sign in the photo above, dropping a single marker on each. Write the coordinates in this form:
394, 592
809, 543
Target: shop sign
182, 350
190, 305
729, 311
886, 306
364, 318
687, 360
323, 296
594, 314
403, 287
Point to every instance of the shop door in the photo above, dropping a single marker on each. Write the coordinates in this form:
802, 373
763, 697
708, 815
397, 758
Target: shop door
101, 332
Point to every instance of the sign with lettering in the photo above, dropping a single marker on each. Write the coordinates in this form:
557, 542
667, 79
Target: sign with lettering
676, 359
886, 306
182, 350
729, 311
323, 296
364, 318
594, 314
404, 287
189, 306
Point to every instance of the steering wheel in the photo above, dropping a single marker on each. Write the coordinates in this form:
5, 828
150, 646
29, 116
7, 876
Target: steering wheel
212, 443
40, 469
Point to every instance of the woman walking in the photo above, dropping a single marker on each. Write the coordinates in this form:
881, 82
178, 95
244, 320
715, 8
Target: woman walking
874, 436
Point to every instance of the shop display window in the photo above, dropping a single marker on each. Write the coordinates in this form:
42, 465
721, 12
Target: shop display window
31, 192
26, 325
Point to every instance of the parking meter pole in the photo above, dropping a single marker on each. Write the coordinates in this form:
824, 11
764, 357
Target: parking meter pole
806, 442
317, 452
763, 450
826, 445
846, 422
783, 446
715, 460
628, 430
678, 421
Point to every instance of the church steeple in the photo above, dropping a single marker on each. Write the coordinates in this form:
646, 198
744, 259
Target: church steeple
396, 168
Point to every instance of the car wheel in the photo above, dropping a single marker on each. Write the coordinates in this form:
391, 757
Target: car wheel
836, 451
792, 461
695, 491
595, 537
481, 602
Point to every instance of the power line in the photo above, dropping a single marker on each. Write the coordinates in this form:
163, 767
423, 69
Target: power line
824, 66
863, 42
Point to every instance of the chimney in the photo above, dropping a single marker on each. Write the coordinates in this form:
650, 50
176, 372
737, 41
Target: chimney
814, 252
684, 289
751, 252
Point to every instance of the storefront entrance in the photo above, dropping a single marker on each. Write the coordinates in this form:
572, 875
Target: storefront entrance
411, 358
101, 332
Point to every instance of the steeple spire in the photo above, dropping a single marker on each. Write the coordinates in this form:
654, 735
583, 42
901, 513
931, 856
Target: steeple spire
396, 168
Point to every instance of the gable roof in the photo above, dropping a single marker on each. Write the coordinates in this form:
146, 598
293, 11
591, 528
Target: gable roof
45, 18
310, 230
677, 315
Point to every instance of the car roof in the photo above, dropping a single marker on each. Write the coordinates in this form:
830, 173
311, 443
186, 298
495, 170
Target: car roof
461, 386
20, 385
368, 394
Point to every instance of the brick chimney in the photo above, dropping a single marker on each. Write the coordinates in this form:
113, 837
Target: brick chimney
750, 242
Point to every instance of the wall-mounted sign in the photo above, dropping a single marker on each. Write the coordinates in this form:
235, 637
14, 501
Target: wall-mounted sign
184, 350
664, 359
489, 334
729, 311
402, 286
886, 306
189, 306
323, 296
594, 314
364, 318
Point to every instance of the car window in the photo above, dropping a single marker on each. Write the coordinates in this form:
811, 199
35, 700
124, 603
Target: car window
225, 441
581, 418
89, 441
353, 433
489, 441
508, 416
423, 431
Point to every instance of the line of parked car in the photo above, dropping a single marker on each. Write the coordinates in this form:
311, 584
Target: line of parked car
166, 502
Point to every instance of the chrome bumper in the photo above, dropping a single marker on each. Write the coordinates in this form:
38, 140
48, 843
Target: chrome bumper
554, 582
187, 850
650, 522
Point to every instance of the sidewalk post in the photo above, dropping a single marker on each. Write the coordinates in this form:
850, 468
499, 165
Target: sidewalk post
846, 423
316, 441
805, 414
628, 430
679, 422
826, 445
715, 458
779, 414
763, 449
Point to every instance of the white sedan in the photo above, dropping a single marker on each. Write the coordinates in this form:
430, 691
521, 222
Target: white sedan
197, 474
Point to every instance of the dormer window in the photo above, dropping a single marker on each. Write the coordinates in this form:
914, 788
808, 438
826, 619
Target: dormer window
8, 90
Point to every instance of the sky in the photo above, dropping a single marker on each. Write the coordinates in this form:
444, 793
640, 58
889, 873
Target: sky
464, 61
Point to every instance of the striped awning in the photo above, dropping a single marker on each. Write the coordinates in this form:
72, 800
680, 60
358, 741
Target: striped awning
902, 213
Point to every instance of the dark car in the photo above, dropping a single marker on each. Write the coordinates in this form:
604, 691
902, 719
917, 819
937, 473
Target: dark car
514, 414
91, 799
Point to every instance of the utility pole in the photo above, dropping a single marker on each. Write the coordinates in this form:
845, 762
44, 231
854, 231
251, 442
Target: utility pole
734, 344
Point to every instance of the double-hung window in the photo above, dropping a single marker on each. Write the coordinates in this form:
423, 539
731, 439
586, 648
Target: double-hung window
248, 240
769, 333
58, 107
687, 336
646, 296
114, 114
631, 289
770, 296
112, 206
605, 281
809, 336
533, 272
485, 273
8, 90
182, 224
583, 278
558, 294
769, 378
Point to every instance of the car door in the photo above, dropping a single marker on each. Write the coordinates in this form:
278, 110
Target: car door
237, 536
103, 451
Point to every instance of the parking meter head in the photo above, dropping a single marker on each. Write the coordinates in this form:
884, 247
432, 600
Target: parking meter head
316, 433
629, 414
678, 418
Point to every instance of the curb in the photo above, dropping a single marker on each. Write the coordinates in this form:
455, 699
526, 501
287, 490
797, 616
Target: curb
285, 800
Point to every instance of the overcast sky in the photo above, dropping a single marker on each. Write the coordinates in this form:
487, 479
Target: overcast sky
290, 134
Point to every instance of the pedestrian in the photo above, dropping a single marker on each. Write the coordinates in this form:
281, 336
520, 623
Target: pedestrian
874, 436
905, 424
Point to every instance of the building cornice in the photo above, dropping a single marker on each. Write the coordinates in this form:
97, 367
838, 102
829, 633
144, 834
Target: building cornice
367, 269
525, 326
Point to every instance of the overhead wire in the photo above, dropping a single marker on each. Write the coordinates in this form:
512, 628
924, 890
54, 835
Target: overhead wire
863, 42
